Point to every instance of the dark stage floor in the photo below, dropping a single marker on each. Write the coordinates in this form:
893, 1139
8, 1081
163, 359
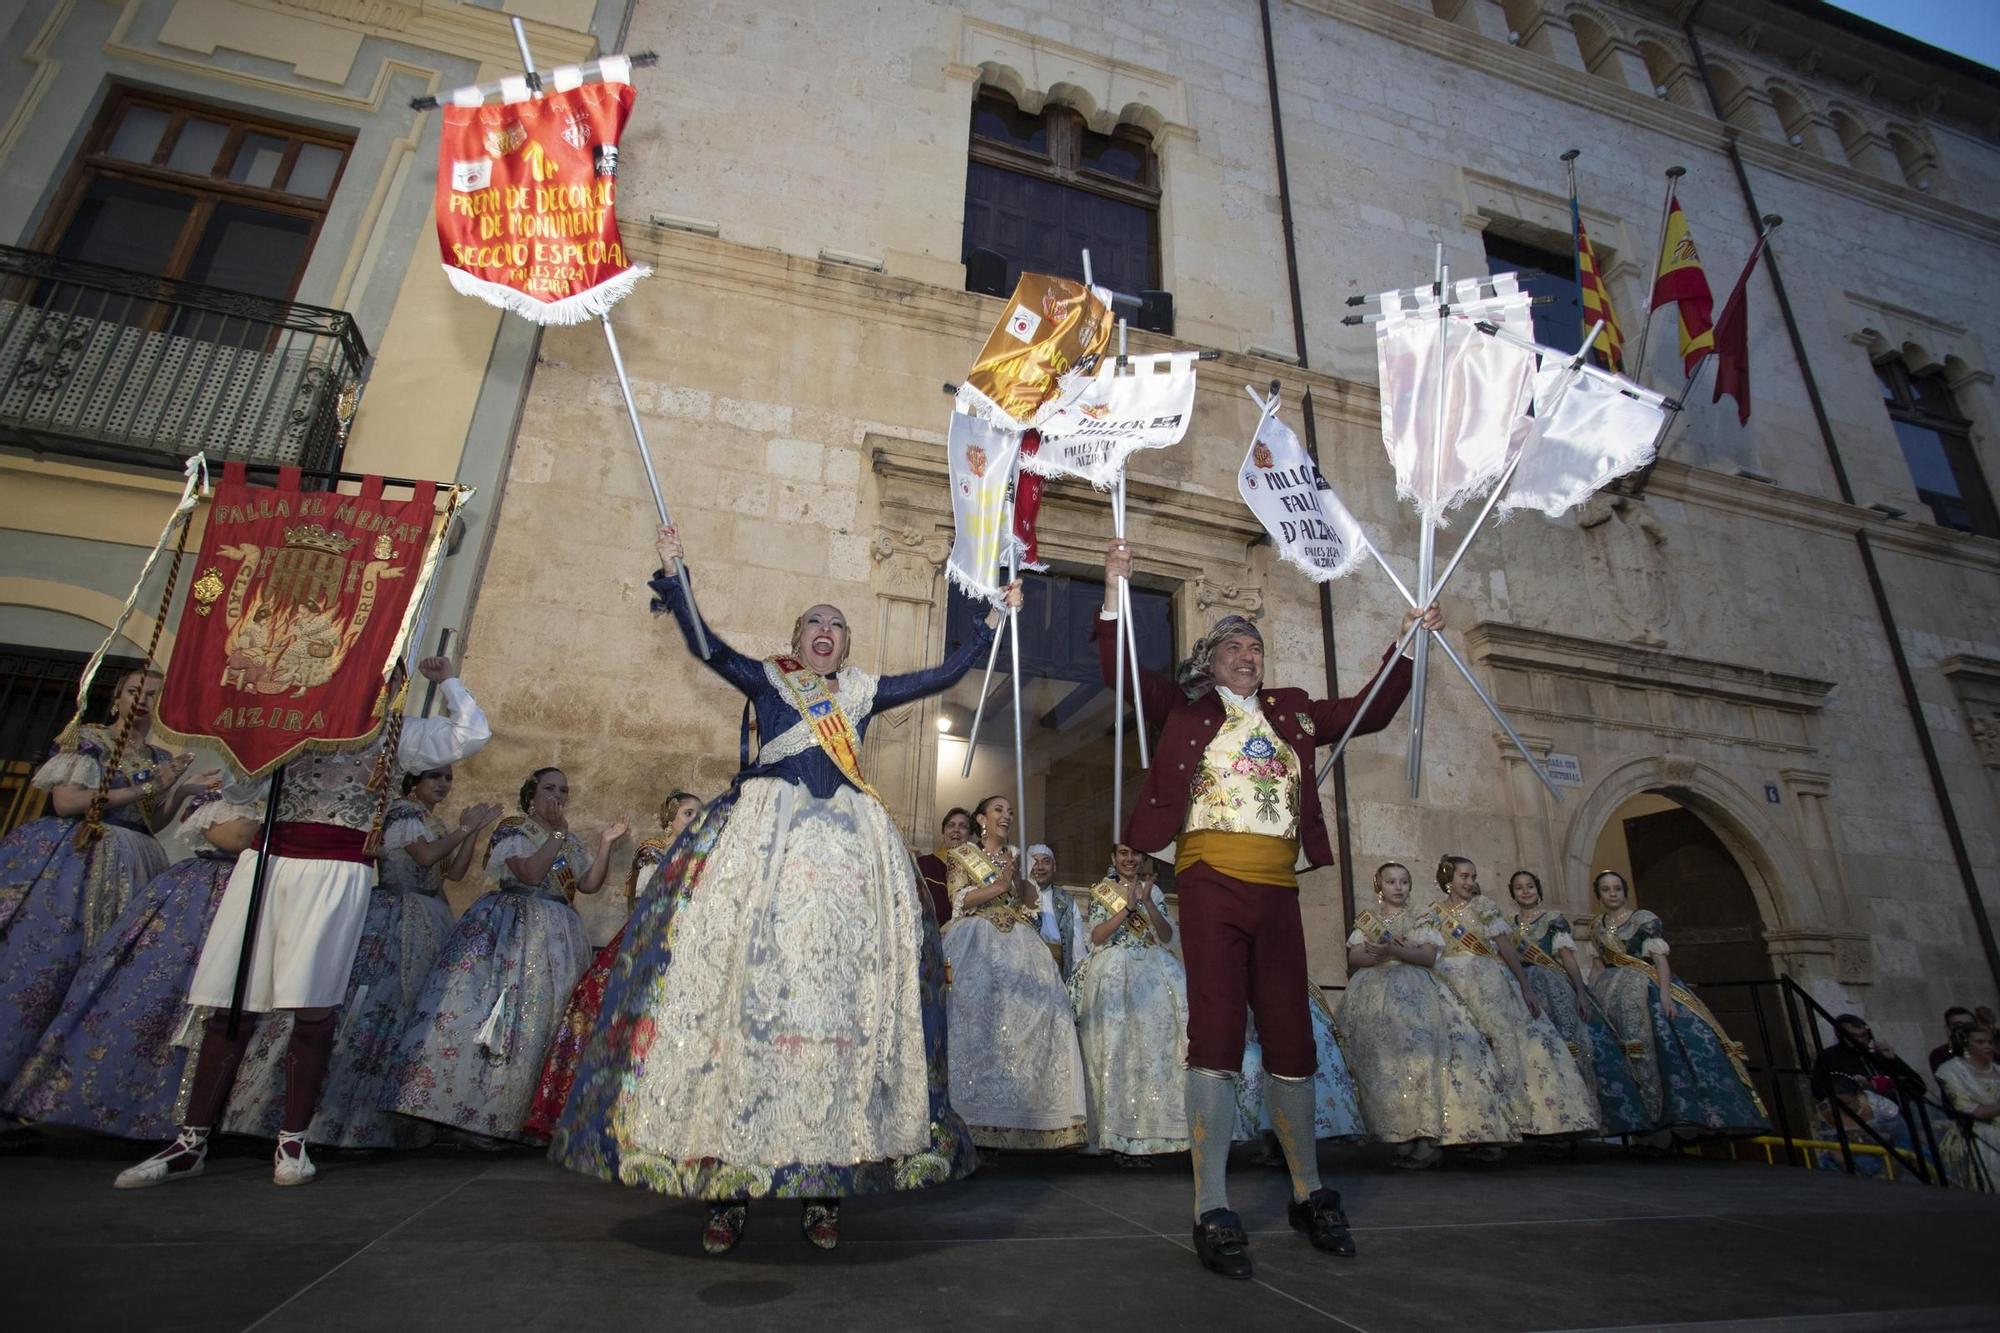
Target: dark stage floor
486, 1243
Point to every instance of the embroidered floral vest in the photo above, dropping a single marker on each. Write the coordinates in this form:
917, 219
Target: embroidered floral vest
1249, 780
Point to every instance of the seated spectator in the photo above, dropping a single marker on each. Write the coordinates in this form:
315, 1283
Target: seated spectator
1869, 1120
1956, 1017
1971, 1082
1857, 1054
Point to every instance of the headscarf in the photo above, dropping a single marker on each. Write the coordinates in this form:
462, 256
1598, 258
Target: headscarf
1194, 675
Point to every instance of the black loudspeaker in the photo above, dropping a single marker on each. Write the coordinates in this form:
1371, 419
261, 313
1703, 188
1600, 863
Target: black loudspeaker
986, 271
1156, 311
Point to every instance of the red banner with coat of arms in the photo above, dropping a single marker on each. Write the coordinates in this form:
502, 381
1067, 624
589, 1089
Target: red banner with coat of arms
301, 604
526, 199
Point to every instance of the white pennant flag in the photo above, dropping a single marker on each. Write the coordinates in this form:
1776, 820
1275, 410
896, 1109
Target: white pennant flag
982, 464
1147, 406
1487, 386
1596, 427
1289, 496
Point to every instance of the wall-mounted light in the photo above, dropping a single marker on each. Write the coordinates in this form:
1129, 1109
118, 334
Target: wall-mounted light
944, 724
1887, 510
1751, 474
1660, 90
1924, 184
1797, 140
1513, 38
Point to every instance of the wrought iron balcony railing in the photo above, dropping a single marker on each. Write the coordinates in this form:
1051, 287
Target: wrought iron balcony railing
106, 363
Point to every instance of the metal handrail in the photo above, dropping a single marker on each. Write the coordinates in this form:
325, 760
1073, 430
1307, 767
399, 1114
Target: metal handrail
131, 367
1915, 1112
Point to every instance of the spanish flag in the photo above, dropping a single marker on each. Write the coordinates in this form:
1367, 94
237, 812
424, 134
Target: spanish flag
1597, 302
1683, 283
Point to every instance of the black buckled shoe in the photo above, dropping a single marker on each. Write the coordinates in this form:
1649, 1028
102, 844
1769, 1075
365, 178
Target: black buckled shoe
1221, 1243
1323, 1222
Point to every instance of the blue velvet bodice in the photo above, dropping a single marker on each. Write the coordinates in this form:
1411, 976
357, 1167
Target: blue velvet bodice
810, 768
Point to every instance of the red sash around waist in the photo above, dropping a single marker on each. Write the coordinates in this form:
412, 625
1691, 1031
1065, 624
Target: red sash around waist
320, 842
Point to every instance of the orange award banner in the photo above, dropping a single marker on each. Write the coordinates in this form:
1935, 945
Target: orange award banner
526, 192
1040, 356
301, 603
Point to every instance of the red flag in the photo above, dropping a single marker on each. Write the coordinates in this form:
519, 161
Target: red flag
1028, 503
302, 602
1732, 342
526, 193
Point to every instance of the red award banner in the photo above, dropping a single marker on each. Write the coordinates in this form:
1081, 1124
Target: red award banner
301, 602
526, 192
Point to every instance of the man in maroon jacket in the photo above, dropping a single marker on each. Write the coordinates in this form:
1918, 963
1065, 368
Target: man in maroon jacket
1232, 785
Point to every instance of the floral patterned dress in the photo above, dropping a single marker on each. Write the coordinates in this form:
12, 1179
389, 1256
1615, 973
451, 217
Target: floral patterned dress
108, 1062
1690, 1072
1546, 1092
774, 1025
580, 1014
404, 932
58, 903
1336, 1103
1017, 1072
1599, 1051
1131, 1005
1420, 1063
472, 1055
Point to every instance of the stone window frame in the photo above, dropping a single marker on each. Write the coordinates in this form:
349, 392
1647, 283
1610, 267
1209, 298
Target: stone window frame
1903, 403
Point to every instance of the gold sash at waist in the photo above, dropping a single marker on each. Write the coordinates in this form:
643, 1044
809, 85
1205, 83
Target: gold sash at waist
1682, 995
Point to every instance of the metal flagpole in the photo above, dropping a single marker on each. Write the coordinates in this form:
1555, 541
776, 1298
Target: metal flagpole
625, 390
1466, 671
985, 691
1674, 175
1427, 551
1575, 235
1014, 649
258, 876
1128, 631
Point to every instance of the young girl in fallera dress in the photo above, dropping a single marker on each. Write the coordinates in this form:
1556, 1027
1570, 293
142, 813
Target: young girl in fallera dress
1691, 1074
1426, 1075
472, 1057
1546, 1092
65, 881
1016, 1068
1131, 1005
1547, 950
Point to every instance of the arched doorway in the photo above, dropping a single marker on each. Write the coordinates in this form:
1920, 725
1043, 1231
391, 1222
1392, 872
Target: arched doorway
1680, 867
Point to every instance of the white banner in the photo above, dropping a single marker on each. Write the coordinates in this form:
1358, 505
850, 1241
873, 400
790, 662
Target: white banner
1147, 406
982, 463
1307, 521
1487, 385
1596, 427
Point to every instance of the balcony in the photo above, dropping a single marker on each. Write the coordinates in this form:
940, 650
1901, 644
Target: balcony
105, 363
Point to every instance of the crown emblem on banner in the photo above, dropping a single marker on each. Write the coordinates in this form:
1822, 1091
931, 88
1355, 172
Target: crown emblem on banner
314, 537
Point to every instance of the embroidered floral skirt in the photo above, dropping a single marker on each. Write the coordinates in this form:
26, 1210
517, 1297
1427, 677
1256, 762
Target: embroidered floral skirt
57, 904
403, 936
1132, 1024
1420, 1064
1684, 1070
1017, 1070
1546, 1093
774, 1025
472, 1055
1336, 1106
579, 1020
108, 1061
1600, 1054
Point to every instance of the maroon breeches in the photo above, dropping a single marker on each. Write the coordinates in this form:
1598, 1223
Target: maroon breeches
1245, 950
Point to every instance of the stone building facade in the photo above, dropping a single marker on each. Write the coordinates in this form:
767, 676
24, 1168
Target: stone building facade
1709, 658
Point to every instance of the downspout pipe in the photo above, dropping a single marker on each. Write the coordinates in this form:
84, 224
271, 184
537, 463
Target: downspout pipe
1343, 829
1884, 611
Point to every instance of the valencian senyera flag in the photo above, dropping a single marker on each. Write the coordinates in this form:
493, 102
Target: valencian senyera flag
981, 457
1146, 404
526, 196
1284, 489
1683, 284
300, 606
1041, 354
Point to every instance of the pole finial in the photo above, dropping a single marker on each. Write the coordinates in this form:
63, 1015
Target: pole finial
1572, 155
1773, 221
1675, 173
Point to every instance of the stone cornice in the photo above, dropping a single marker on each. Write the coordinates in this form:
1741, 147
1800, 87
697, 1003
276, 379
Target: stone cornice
1812, 513
1496, 643
1531, 70
1972, 669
